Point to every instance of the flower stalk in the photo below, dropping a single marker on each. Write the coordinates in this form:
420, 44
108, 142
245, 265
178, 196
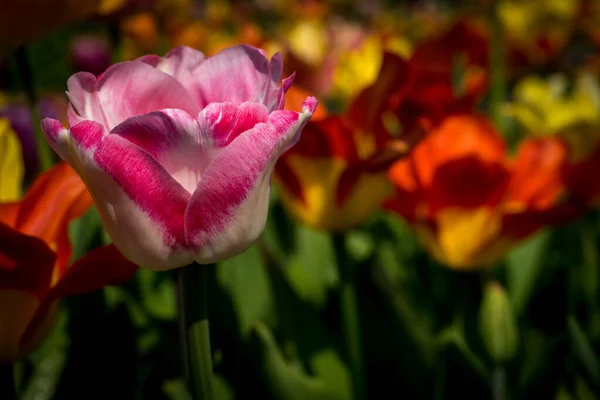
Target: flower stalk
350, 316
194, 330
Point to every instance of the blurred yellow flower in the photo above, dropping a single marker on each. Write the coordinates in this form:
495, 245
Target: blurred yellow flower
307, 40
358, 68
547, 107
529, 23
11, 163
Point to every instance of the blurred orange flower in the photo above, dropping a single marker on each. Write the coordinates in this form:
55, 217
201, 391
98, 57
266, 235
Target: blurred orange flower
35, 253
445, 74
468, 201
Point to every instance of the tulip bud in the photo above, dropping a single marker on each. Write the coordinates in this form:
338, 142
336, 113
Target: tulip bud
497, 325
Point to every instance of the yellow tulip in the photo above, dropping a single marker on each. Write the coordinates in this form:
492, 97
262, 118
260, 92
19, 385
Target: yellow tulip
545, 107
11, 163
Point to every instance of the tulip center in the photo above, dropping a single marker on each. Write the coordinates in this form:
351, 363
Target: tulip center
188, 165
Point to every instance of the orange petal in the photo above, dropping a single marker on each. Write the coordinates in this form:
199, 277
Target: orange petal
9, 213
457, 137
56, 198
536, 180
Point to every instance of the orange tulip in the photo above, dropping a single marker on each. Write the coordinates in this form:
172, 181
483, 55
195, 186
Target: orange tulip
35, 254
468, 201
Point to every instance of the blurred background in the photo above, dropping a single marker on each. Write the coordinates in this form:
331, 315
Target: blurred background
449, 181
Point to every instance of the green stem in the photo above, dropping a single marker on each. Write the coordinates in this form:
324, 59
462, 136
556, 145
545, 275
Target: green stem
497, 69
194, 330
24, 67
498, 383
7, 382
350, 317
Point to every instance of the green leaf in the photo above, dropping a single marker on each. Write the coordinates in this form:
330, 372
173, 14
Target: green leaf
83, 232
115, 295
244, 278
288, 381
157, 294
454, 336
175, 389
535, 359
582, 390
583, 350
311, 268
524, 266
360, 245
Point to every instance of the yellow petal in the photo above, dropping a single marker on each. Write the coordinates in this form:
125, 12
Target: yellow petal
544, 107
464, 237
308, 41
11, 163
357, 69
319, 179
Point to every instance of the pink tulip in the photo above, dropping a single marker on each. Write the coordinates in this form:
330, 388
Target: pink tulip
178, 152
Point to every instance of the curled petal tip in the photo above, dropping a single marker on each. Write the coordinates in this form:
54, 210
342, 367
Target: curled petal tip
51, 128
310, 104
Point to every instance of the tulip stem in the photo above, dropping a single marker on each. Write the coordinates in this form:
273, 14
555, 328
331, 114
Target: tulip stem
194, 330
350, 316
498, 383
7, 382
24, 67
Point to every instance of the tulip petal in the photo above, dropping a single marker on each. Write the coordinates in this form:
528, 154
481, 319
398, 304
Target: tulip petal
223, 122
244, 68
181, 63
11, 163
119, 93
30, 260
55, 199
100, 267
536, 179
228, 210
175, 140
141, 205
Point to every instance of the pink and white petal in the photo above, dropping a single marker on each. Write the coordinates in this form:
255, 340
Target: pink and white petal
73, 145
81, 90
285, 85
228, 210
141, 206
125, 90
223, 122
72, 117
181, 63
174, 139
237, 74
